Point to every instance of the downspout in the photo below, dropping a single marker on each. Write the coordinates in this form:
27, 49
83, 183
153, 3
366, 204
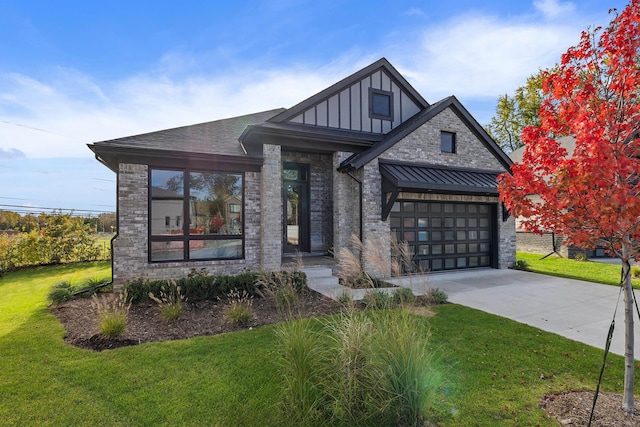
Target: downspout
359, 200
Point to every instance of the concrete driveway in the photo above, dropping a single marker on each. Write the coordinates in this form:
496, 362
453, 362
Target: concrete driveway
578, 310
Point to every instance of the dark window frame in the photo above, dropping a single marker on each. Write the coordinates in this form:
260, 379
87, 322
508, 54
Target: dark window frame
451, 145
376, 115
186, 237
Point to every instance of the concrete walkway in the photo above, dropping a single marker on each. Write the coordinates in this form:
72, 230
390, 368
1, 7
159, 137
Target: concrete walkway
575, 309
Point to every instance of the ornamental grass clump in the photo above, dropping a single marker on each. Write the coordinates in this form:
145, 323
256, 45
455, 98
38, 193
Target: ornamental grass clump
239, 310
113, 313
285, 287
170, 301
373, 368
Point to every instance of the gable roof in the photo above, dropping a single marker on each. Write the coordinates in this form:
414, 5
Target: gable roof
359, 160
219, 137
381, 63
338, 118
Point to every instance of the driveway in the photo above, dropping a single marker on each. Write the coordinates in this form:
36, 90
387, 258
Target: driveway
575, 309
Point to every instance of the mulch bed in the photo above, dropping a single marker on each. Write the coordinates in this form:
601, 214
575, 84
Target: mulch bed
146, 324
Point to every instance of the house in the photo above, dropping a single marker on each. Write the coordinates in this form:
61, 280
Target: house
367, 156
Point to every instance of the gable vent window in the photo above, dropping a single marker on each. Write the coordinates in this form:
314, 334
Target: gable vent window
447, 142
380, 104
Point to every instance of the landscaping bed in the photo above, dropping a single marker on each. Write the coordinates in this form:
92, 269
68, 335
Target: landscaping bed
146, 324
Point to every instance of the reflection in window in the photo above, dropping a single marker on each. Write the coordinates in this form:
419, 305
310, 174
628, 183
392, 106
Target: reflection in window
196, 215
212, 196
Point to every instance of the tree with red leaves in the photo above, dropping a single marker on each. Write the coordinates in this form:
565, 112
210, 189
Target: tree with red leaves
590, 195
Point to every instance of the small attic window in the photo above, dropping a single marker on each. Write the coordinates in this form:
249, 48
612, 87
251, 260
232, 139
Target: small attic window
380, 104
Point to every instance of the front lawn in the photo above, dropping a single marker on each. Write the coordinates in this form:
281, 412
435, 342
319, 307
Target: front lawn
589, 271
497, 370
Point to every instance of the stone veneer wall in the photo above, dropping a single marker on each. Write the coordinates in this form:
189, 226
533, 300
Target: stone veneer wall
321, 197
423, 145
131, 245
271, 213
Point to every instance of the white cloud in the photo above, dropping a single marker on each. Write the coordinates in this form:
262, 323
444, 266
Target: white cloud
553, 9
477, 56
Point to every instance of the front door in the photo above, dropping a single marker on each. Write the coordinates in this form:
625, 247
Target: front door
295, 194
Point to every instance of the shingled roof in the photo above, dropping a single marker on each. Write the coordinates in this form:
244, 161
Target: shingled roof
219, 137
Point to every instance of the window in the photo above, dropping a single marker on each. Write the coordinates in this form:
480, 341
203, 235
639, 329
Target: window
210, 204
447, 142
380, 104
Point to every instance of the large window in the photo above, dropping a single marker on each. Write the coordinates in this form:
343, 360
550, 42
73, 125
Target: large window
211, 205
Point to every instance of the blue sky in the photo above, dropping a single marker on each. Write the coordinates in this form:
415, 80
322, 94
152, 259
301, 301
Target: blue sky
76, 72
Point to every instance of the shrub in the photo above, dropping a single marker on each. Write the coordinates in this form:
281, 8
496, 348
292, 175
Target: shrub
61, 292
403, 296
436, 296
346, 301
198, 286
113, 313
137, 290
581, 256
239, 310
376, 300
170, 301
90, 287
521, 264
284, 286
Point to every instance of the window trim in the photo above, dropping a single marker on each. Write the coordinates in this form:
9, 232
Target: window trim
453, 142
374, 115
186, 237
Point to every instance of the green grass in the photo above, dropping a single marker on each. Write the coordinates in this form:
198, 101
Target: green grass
589, 271
497, 370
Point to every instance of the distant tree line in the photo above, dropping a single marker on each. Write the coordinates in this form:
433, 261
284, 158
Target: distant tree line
102, 223
48, 239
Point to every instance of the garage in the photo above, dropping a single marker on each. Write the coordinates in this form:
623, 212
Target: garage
446, 235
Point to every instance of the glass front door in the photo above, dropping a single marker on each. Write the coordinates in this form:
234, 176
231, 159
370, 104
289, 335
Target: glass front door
296, 207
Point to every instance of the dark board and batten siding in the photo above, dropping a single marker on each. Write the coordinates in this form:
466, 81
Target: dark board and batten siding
349, 109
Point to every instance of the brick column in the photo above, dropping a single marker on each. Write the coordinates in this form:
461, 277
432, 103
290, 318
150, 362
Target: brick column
346, 204
271, 208
375, 231
130, 247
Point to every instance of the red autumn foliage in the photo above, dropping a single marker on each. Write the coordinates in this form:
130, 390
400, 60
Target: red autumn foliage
592, 195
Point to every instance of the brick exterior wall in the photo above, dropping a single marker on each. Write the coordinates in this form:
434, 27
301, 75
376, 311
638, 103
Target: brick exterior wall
423, 145
131, 245
321, 197
335, 209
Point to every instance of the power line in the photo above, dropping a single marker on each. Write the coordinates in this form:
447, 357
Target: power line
41, 208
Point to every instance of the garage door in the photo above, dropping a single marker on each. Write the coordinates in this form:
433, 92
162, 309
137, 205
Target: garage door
445, 236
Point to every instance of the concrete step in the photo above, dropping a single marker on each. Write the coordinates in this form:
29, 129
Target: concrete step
317, 272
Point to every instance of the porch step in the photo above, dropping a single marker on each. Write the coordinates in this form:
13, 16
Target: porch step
319, 272
321, 280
